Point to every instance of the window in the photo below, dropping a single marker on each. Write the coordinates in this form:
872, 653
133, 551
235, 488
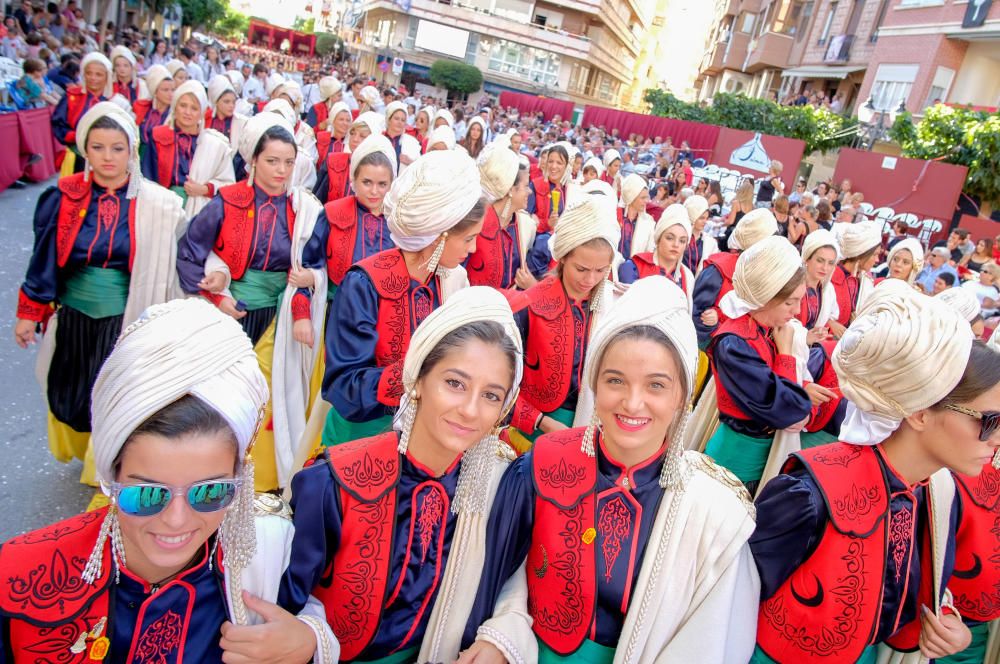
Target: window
892, 85
940, 86
803, 27
747, 24
578, 77
828, 24
530, 64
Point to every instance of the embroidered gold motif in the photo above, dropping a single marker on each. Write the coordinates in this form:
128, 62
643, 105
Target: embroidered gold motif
99, 649
544, 567
588, 536
267, 503
724, 477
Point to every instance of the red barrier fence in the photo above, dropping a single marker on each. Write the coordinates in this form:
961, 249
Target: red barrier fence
532, 104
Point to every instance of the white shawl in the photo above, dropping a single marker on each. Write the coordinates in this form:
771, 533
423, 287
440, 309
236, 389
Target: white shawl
409, 147
526, 230
212, 163
642, 236
709, 247
828, 308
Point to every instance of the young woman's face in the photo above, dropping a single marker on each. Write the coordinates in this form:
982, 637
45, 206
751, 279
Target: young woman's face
163, 544
358, 133
123, 70
186, 113
107, 153
421, 123
519, 192
165, 92
699, 224
779, 312
371, 183
901, 265
556, 167
396, 124
589, 174
274, 166
341, 124
672, 244
461, 399
613, 168
871, 261
475, 131
638, 204
515, 142
981, 247
459, 245
584, 268
953, 438
95, 77
161, 48
180, 76
226, 105
638, 394
821, 264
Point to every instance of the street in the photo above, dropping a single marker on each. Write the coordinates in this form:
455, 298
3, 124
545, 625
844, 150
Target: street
34, 488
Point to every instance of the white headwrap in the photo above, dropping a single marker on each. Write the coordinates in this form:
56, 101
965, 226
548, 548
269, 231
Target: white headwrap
94, 56
218, 86
393, 107
284, 109
436, 192
904, 352
860, 237
429, 112
338, 108
107, 109
674, 215
329, 86
253, 132
581, 222
752, 228
695, 206
916, 250
294, 92
156, 75
818, 239
272, 84
445, 114
482, 125
372, 144
596, 164
374, 121
174, 66
196, 90
963, 301
632, 186
125, 52
443, 134
610, 156
236, 78
498, 169
761, 272
369, 95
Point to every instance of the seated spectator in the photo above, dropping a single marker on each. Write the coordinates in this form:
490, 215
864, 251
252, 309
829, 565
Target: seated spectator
937, 264
36, 92
982, 255
800, 189
944, 281
900, 231
985, 289
954, 244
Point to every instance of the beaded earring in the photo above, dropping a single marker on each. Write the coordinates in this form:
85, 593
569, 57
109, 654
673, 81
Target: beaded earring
996, 459
408, 419
670, 474
587, 444
110, 529
432, 264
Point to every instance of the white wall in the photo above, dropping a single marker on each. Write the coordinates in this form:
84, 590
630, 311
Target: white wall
978, 80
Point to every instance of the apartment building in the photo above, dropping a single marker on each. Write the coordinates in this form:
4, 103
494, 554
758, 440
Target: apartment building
582, 50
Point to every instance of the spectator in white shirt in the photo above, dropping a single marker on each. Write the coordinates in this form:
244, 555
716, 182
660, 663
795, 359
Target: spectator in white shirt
193, 69
253, 89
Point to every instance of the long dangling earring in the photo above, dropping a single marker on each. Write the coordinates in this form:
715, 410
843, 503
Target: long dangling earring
253, 170
408, 418
86, 170
92, 571
587, 445
670, 474
996, 459
432, 264
505, 213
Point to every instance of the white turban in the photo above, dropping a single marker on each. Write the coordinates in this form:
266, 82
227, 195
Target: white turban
196, 90
273, 83
436, 192
904, 352
254, 130
374, 143
374, 121
963, 301
294, 92
369, 95
916, 250
752, 228
596, 164
393, 107
696, 206
123, 119
498, 169
94, 56
761, 272
860, 237
429, 112
445, 114
610, 156
329, 86
284, 109
236, 78
581, 222
443, 134
125, 52
482, 125
818, 239
674, 215
338, 108
218, 86
156, 75
183, 347
174, 66
632, 186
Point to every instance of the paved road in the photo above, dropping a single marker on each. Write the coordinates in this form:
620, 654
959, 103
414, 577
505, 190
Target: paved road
34, 488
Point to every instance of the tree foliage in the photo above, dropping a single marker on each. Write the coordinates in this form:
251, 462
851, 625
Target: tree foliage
327, 43
232, 25
202, 14
456, 76
818, 127
307, 25
958, 136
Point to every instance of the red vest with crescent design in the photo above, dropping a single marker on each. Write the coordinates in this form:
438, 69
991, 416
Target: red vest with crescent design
543, 203
337, 165
975, 582
485, 265
548, 356
343, 217
725, 263
354, 585
235, 242
842, 286
562, 564
747, 329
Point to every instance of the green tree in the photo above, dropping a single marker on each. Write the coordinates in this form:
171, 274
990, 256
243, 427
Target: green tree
307, 25
233, 24
202, 14
327, 43
456, 76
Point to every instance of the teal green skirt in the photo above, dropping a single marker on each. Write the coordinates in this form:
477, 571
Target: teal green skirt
815, 439
868, 656
741, 454
402, 657
97, 292
588, 653
976, 652
338, 430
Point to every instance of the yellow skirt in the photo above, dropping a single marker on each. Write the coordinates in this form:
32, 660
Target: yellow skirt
66, 444
265, 467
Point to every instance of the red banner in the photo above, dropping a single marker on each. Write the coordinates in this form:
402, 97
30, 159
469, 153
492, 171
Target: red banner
752, 153
701, 137
531, 104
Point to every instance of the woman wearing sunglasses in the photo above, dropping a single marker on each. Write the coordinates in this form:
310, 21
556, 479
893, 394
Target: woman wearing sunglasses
177, 556
860, 534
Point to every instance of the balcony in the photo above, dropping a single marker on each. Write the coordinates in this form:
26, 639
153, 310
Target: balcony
770, 51
839, 49
607, 53
713, 62
737, 53
733, 9
750, 6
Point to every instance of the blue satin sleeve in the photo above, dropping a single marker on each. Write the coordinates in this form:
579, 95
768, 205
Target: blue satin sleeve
317, 520
532, 206
508, 538
149, 161
706, 291
41, 281
628, 273
197, 243
311, 118
791, 516
352, 377
539, 257
322, 187
816, 362
60, 120
314, 253
764, 396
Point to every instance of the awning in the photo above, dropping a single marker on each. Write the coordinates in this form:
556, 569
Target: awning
820, 71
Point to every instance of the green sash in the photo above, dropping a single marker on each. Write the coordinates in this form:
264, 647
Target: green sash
96, 291
180, 192
331, 288
588, 653
815, 439
743, 455
868, 656
338, 430
259, 289
401, 657
976, 652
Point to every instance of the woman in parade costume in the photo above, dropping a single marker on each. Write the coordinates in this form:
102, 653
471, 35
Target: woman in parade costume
330, 93
153, 112
547, 193
670, 237
880, 573
906, 259
820, 255
443, 138
637, 225
268, 239
556, 317
474, 138
634, 549
126, 77
716, 278
183, 156
407, 148
753, 361
392, 558
333, 179
221, 112
444, 117
507, 231
434, 212
104, 251
243, 107
612, 160
157, 574
177, 70
421, 129
97, 87
702, 245
331, 135
860, 245
305, 158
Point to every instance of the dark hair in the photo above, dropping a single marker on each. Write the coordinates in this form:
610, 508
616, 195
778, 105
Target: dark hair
988, 241
472, 217
865, 256
486, 331
275, 133
824, 210
982, 373
186, 52
188, 416
948, 278
104, 122
522, 174
375, 159
561, 151
33, 65
797, 280
259, 68
961, 233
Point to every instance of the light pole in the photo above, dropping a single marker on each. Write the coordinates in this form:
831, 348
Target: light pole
872, 128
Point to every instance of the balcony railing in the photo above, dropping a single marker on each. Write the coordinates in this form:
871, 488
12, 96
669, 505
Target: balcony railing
839, 49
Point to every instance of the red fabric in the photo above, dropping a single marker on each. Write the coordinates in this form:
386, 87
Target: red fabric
34, 129
10, 160
975, 582
532, 104
701, 137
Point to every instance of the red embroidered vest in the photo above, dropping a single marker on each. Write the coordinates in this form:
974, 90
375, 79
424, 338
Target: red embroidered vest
141, 107
548, 355
323, 139
543, 203
163, 136
845, 301
77, 99
337, 165
975, 582
322, 113
47, 603
485, 265
647, 268
235, 241
725, 263
343, 217
562, 567
747, 329
354, 585
387, 271
828, 608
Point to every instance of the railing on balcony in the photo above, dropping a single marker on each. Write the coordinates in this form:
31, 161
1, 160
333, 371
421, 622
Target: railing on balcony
839, 49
